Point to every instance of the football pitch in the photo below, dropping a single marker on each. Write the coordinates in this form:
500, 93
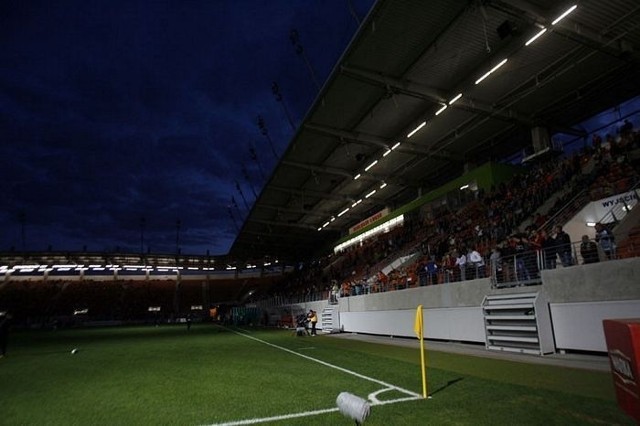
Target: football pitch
214, 375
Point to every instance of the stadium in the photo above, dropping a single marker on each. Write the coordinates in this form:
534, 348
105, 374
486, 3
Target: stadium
477, 159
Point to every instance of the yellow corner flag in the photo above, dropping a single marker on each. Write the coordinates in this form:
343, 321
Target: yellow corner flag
419, 329
417, 325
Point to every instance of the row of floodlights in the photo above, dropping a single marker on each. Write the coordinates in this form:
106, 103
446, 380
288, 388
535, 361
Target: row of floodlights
80, 268
543, 30
85, 311
251, 265
355, 203
438, 112
369, 194
4, 269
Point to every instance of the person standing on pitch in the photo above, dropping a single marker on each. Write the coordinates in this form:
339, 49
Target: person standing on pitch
313, 319
189, 319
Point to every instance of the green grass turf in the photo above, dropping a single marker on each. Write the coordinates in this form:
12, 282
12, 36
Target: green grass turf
166, 375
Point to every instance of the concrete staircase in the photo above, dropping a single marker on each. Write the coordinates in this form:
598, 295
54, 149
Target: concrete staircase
330, 319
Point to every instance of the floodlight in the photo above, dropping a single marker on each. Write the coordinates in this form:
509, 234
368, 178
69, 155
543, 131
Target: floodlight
413, 132
438, 112
535, 37
564, 14
492, 70
455, 98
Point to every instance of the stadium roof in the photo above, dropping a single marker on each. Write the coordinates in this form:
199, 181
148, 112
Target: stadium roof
409, 60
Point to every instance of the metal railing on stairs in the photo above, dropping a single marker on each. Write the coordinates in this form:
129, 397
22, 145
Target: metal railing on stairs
622, 206
570, 208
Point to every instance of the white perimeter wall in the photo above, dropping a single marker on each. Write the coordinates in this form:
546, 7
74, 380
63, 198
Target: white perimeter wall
580, 297
578, 326
460, 324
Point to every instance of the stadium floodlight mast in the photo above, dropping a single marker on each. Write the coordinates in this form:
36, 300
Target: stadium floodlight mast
178, 224
142, 223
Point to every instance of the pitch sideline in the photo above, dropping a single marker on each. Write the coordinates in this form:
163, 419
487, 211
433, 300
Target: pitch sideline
413, 395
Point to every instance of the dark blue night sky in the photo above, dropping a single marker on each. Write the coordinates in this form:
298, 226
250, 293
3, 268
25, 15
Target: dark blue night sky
120, 119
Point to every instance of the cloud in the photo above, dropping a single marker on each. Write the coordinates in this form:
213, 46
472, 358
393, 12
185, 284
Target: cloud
117, 111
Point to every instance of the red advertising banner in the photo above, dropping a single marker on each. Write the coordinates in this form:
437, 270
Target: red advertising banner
623, 346
368, 221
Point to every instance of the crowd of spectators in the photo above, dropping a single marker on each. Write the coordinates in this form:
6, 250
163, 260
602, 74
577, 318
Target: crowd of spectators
504, 232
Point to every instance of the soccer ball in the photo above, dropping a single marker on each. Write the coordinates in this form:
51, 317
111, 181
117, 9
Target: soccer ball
74, 350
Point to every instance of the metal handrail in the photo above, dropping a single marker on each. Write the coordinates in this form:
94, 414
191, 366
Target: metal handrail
562, 210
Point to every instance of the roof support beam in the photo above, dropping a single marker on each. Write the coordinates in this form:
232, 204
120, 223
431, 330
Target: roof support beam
295, 211
418, 90
285, 224
283, 250
318, 194
345, 173
574, 31
279, 236
510, 99
280, 239
320, 169
406, 87
570, 131
406, 147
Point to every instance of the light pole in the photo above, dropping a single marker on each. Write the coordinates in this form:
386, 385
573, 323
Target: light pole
22, 217
142, 223
178, 236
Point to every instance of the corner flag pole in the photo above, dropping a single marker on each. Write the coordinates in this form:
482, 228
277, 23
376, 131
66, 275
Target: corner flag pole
419, 329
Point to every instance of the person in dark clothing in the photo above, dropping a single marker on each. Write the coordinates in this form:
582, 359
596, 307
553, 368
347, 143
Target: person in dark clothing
521, 247
605, 239
302, 322
421, 271
431, 268
563, 245
4, 334
495, 260
589, 250
549, 251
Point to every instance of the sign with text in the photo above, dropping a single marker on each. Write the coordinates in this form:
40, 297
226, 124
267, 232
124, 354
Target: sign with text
626, 200
623, 347
368, 221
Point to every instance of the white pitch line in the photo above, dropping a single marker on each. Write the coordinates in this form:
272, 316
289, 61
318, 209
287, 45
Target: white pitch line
394, 401
305, 413
344, 370
373, 397
276, 418
414, 396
